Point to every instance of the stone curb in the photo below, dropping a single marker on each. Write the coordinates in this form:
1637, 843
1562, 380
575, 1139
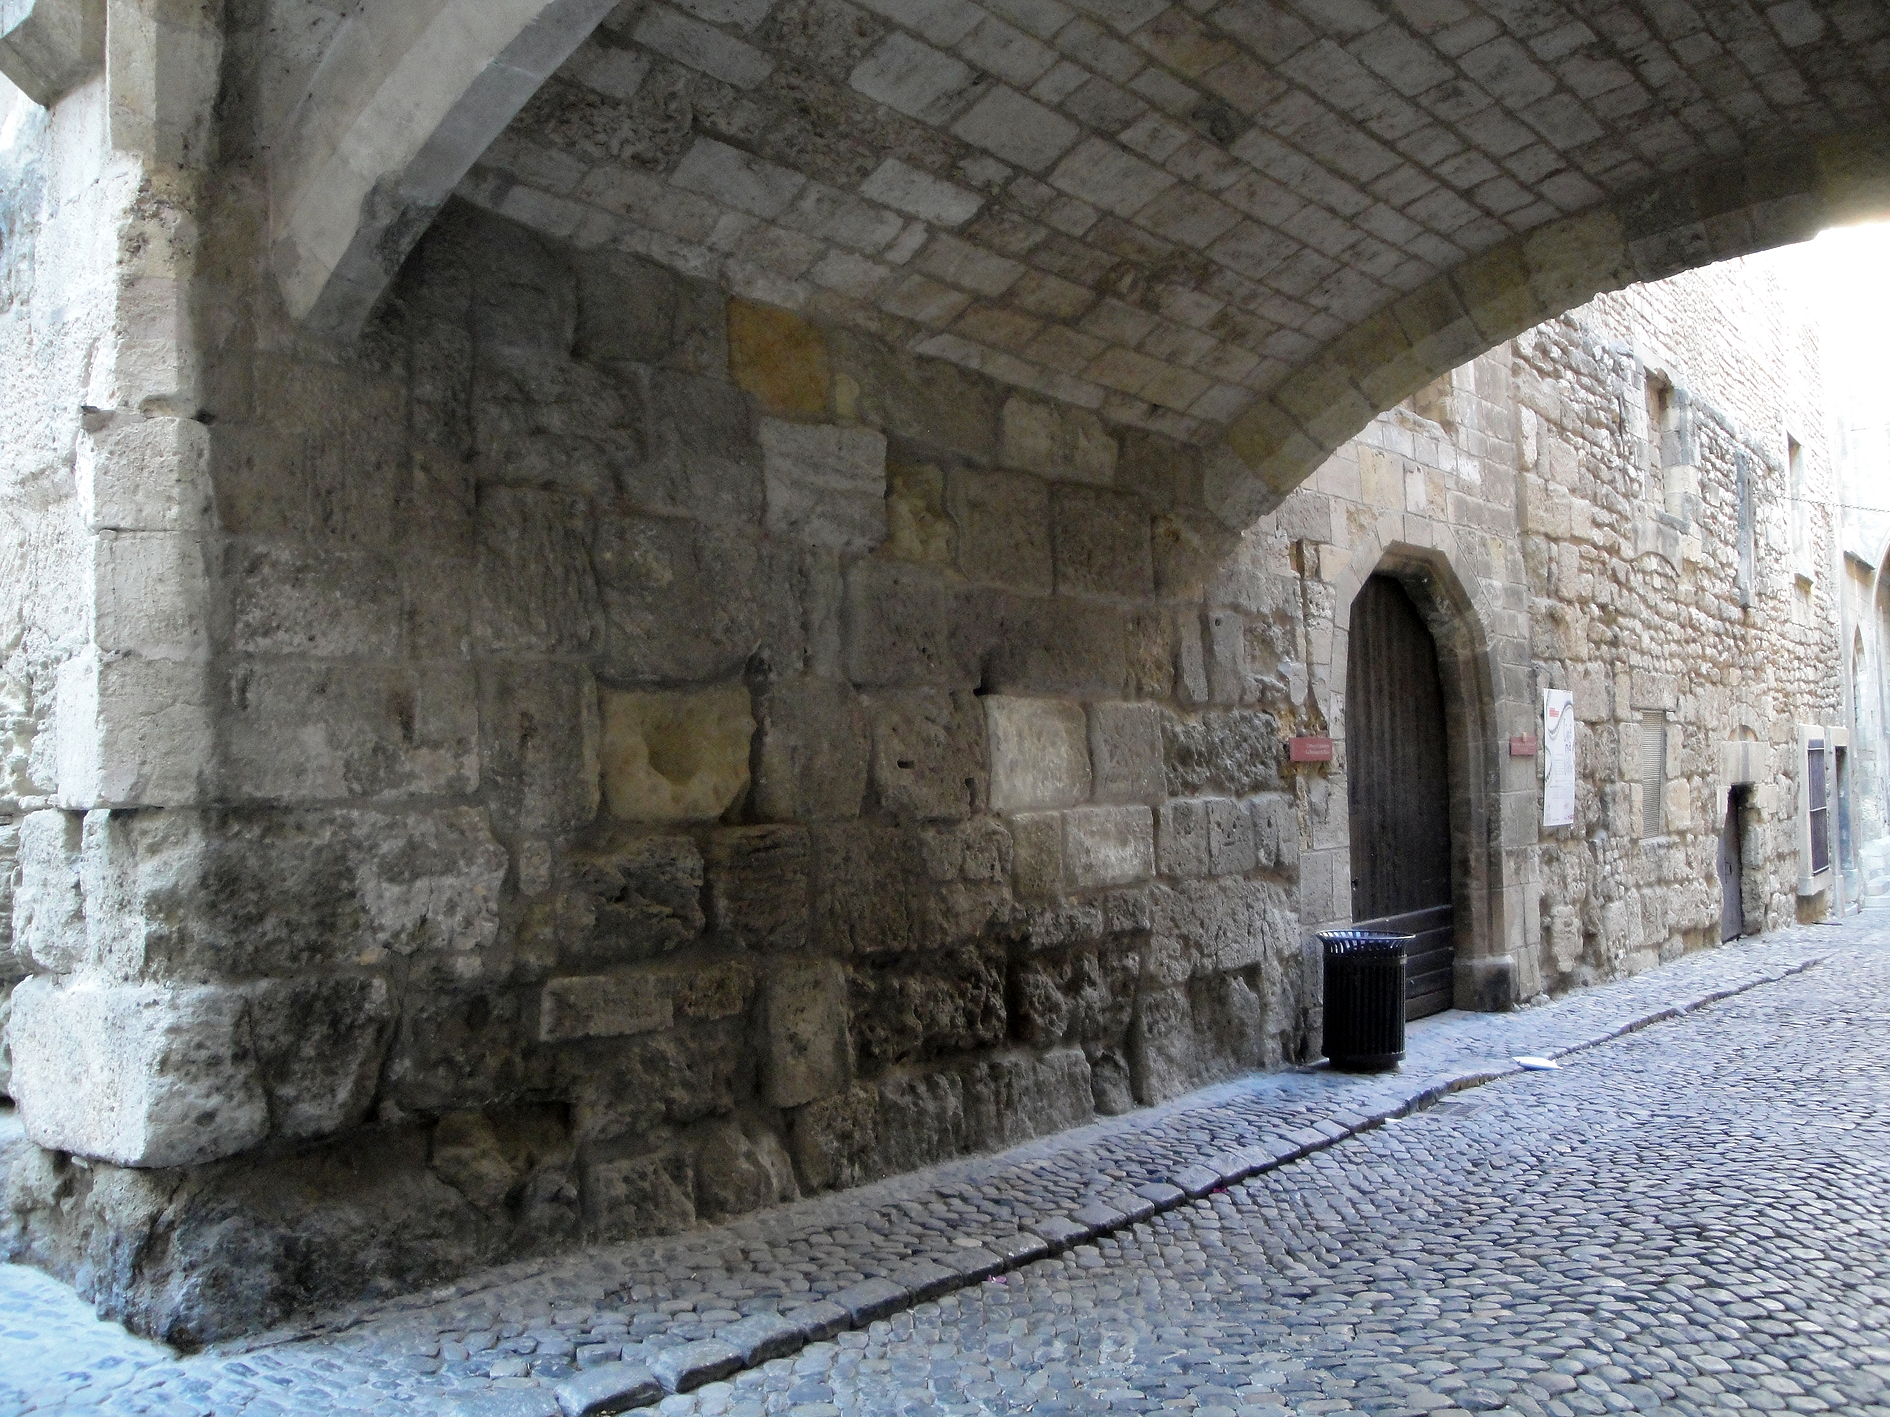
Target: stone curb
927, 1278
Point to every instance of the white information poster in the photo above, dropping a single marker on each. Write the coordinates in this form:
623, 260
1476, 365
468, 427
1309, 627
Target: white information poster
1558, 749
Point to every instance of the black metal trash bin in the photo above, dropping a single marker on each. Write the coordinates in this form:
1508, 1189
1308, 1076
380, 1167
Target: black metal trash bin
1364, 999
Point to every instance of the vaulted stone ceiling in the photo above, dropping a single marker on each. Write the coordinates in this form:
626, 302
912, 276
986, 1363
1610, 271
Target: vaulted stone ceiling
1273, 218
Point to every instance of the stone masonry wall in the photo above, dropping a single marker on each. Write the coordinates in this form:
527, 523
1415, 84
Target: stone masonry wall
670, 757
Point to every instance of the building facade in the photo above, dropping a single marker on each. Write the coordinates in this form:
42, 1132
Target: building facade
675, 757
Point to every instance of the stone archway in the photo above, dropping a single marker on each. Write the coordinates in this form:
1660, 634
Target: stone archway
1284, 242
1492, 972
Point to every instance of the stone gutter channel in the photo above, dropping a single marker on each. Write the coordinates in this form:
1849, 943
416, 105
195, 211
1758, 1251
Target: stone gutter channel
630, 1321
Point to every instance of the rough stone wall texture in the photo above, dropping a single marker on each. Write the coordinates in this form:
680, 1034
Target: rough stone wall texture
666, 756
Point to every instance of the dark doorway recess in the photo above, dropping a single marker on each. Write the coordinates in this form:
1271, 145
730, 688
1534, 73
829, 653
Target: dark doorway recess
1732, 906
1398, 787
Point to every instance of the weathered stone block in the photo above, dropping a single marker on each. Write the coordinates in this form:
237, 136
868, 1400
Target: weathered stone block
826, 485
977, 850
699, 458
739, 1169
928, 752
319, 1044
49, 901
1003, 529
864, 897
601, 1006
808, 1053
917, 528
1182, 838
640, 1195
1103, 543
778, 357
1239, 753
633, 312
900, 627
681, 600
1275, 832
1037, 851
1226, 635
834, 1139
950, 1000
758, 886
535, 589
1067, 443
1107, 846
669, 1078
1039, 753
136, 1074
814, 751
360, 731
1230, 838
675, 756
1125, 752
926, 400
539, 738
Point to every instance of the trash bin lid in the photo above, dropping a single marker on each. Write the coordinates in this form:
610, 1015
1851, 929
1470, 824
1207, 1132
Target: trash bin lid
1352, 942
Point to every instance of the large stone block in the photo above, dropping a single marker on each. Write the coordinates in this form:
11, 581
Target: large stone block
1107, 846
541, 420
868, 896
1181, 840
643, 894
1125, 753
900, 627
189, 895
535, 587
950, 1000
682, 601
741, 1168
1039, 753
49, 899
633, 312
926, 400
1104, 543
758, 887
638, 1196
133, 731
826, 485
1236, 752
539, 739
779, 358
601, 1006
814, 751
700, 459
319, 1044
313, 732
670, 1078
1230, 837
1067, 443
808, 1053
835, 1139
1003, 529
137, 1074
928, 752
675, 756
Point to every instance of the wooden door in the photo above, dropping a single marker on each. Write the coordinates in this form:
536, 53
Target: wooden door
1398, 787
1732, 906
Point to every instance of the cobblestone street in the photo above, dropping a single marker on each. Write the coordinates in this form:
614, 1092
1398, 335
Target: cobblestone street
1689, 1217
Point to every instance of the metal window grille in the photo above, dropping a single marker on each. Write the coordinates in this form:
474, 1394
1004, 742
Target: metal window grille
1653, 770
1817, 795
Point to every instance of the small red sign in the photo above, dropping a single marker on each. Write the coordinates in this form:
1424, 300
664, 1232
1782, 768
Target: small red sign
1522, 747
1309, 749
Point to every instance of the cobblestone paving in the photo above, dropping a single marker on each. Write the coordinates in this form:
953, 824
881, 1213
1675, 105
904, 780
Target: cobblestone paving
1688, 1217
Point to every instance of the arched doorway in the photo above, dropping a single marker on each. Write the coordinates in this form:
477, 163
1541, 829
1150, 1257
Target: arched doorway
1398, 787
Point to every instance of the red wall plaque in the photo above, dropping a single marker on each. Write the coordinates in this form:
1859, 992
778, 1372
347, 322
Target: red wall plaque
1309, 749
1522, 747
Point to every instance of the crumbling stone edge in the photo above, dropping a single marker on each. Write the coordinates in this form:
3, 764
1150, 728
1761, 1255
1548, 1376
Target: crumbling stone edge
758, 1338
